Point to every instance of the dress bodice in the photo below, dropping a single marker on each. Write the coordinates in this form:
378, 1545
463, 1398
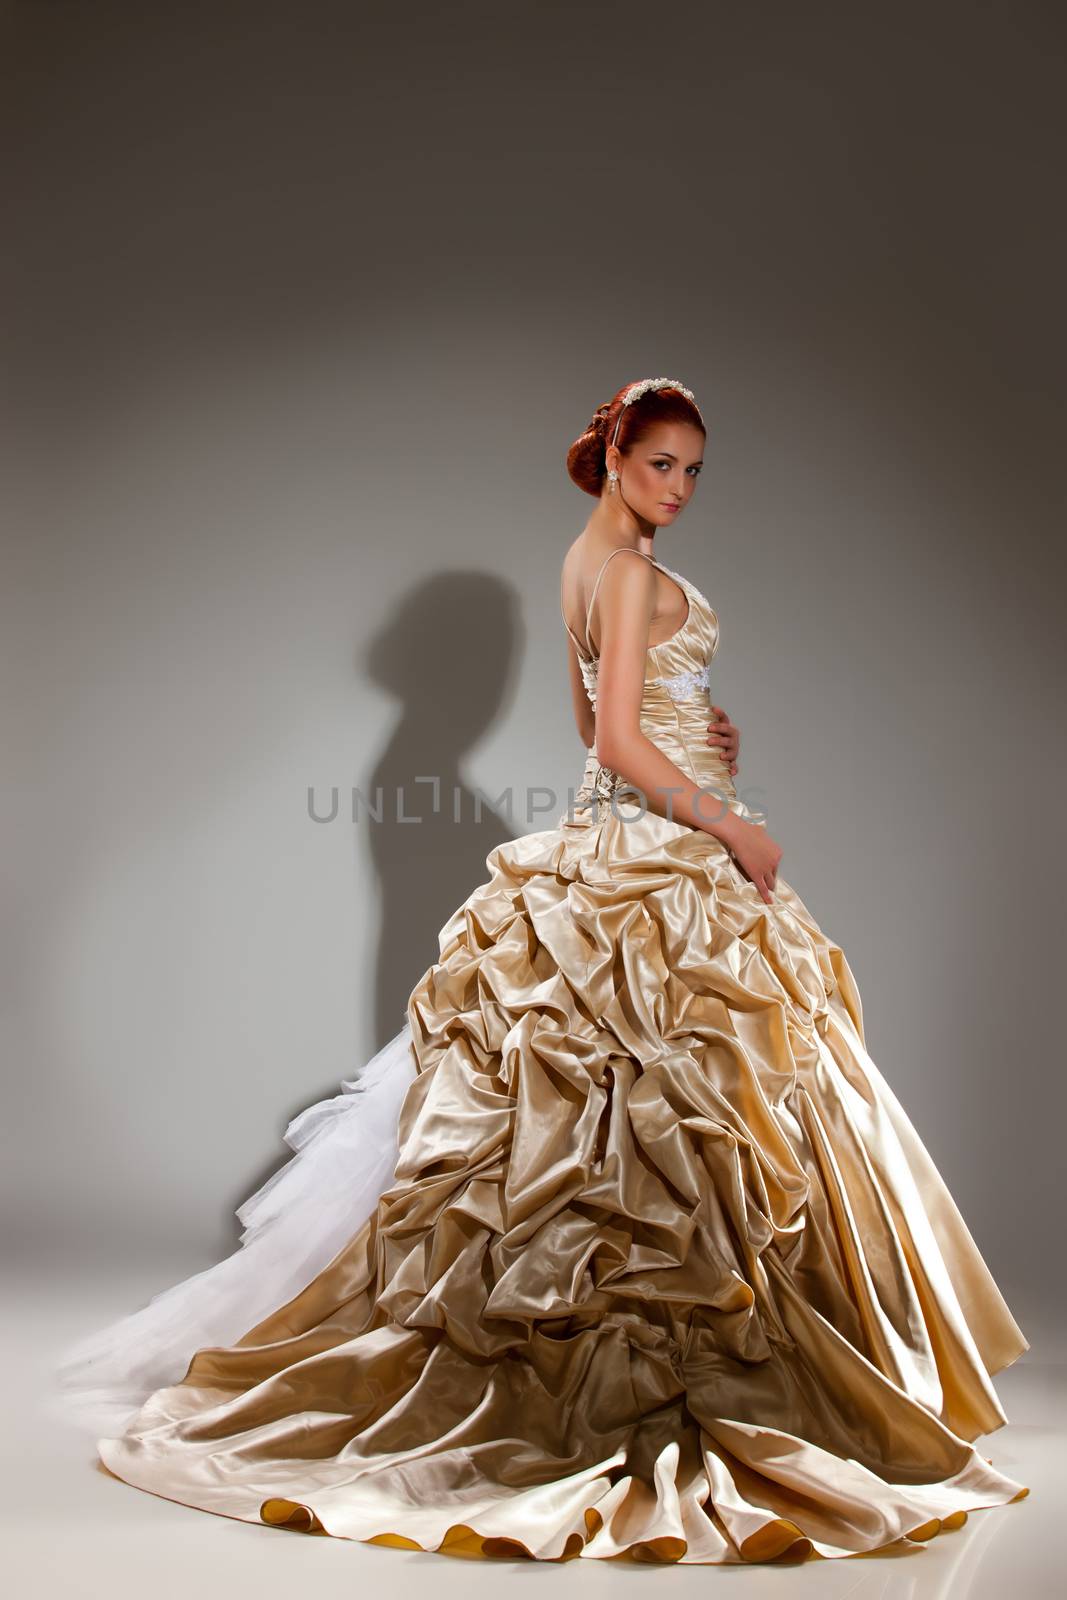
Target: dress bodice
676, 705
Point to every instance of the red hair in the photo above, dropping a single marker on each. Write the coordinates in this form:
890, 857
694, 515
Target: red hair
586, 463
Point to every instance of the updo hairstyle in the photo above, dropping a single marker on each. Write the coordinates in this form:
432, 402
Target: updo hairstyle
586, 458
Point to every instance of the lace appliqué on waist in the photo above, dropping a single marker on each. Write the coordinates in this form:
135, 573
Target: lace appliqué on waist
680, 685
686, 685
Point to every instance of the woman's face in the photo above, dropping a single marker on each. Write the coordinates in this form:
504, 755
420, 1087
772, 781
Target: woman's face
660, 473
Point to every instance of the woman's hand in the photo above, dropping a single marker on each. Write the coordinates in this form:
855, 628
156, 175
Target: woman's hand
756, 854
723, 734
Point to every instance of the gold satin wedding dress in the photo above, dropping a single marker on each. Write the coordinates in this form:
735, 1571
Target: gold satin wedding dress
621, 1248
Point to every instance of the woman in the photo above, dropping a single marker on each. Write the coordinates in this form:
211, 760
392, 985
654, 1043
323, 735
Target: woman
623, 1246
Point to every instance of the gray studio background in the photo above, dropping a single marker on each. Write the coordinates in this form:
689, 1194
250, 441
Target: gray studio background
305, 305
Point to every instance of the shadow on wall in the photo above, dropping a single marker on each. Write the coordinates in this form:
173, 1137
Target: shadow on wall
449, 655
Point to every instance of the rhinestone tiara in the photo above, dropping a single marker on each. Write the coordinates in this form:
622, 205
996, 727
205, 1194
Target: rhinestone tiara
636, 390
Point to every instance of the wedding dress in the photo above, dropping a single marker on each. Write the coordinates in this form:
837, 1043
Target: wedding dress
621, 1247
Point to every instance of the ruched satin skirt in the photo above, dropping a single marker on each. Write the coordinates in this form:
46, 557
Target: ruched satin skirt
663, 1270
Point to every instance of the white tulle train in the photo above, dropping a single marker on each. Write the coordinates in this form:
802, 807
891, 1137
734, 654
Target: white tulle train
294, 1224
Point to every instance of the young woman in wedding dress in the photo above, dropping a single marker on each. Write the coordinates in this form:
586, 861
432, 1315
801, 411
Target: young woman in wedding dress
623, 1246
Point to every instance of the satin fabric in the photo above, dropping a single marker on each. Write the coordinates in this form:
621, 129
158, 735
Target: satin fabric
664, 1270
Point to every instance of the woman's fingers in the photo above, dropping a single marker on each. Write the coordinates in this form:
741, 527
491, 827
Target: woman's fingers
725, 734
764, 885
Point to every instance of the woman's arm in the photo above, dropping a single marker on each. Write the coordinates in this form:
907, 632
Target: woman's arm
626, 601
583, 711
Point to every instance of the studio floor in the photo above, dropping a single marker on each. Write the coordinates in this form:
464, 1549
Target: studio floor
73, 1529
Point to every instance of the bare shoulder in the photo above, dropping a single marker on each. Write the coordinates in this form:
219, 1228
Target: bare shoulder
590, 570
627, 571
625, 590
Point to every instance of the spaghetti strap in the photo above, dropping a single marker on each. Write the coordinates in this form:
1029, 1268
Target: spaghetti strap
578, 645
583, 649
600, 574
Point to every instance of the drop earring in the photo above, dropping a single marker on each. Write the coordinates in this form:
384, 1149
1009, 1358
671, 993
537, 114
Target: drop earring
613, 478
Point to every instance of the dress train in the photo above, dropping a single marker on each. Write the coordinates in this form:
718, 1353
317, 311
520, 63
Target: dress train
345, 1151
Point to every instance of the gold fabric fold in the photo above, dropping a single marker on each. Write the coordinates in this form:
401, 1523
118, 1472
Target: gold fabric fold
665, 1271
